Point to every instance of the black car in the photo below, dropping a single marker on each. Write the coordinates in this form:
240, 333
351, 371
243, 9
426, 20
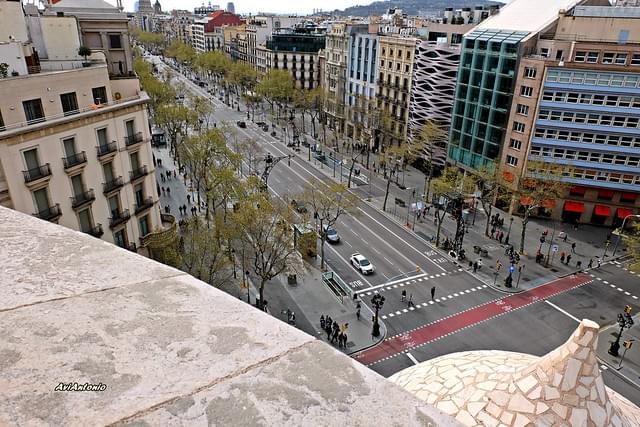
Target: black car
241, 124
261, 124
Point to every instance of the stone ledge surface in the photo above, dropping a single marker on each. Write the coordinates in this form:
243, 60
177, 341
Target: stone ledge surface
169, 348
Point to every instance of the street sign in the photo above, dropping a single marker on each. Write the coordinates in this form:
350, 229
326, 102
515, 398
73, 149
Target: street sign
554, 248
627, 344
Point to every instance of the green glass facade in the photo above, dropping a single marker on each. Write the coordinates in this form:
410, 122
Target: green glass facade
486, 78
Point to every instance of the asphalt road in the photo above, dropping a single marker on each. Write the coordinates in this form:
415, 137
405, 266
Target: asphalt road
405, 262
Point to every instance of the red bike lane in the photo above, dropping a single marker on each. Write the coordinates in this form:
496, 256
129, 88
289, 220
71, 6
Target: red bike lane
456, 322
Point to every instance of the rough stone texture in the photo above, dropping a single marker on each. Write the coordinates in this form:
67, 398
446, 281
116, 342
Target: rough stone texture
170, 349
561, 388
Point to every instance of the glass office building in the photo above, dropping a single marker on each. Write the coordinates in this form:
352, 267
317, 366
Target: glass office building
486, 78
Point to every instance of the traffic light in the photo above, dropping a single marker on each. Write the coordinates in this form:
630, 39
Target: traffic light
627, 309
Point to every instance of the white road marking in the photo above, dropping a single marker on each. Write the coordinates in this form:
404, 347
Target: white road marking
413, 359
563, 311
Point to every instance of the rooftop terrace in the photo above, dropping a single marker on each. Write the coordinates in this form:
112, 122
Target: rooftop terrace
169, 348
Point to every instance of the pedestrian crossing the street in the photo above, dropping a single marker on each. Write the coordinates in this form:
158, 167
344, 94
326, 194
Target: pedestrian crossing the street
434, 301
409, 281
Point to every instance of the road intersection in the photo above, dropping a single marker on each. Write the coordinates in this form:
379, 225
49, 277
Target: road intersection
466, 313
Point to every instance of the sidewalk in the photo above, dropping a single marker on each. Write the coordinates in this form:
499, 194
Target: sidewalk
630, 369
315, 299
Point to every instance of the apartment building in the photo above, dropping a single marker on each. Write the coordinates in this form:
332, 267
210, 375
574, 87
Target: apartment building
335, 75
74, 139
577, 105
395, 72
235, 42
260, 27
207, 32
362, 75
296, 50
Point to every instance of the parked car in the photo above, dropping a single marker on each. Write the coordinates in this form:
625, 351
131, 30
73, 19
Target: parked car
241, 124
299, 206
331, 234
361, 263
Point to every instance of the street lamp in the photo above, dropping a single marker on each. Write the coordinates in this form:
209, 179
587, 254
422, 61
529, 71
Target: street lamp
615, 248
625, 321
377, 301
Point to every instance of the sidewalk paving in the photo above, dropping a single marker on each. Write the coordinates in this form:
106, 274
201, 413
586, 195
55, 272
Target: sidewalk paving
315, 299
630, 369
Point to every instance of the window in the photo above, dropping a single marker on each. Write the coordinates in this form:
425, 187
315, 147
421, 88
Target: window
635, 59
114, 206
518, 127
69, 145
77, 185
544, 52
84, 218
526, 91
620, 59
31, 159
69, 103
99, 95
120, 238
41, 200
33, 111
512, 161
523, 109
580, 56
107, 169
130, 127
515, 144
608, 58
592, 57
102, 137
144, 225
530, 72
115, 41
135, 161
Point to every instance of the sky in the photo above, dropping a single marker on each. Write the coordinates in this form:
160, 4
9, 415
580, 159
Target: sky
253, 6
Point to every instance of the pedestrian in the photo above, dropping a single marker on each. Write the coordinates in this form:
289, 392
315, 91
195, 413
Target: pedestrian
328, 331
562, 255
565, 237
322, 321
573, 247
189, 198
493, 231
166, 209
404, 295
433, 290
590, 263
344, 340
598, 262
475, 266
500, 236
579, 264
358, 313
162, 191
175, 176
162, 177
410, 302
185, 178
418, 214
184, 208
568, 259
168, 192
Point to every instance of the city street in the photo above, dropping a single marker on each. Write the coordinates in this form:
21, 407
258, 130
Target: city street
466, 313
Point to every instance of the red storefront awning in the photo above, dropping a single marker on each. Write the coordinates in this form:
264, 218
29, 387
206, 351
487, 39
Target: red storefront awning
605, 194
602, 210
578, 190
623, 213
629, 197
570, 206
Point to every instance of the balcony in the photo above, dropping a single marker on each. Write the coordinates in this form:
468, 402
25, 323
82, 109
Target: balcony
96, 231
144, 205
82, 199
119, 218
106, 149
138, 173
77, 159
36, 175
50, 214
112, 185
131, 140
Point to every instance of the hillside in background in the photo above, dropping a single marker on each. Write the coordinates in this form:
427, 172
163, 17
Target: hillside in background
411, 7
